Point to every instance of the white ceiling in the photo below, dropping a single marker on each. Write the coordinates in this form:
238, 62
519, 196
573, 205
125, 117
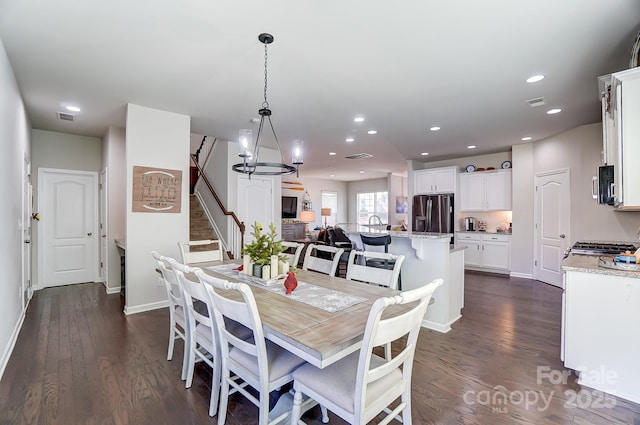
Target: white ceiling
404, 65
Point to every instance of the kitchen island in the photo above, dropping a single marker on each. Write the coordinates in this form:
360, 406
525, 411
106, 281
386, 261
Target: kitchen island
601, 311
428, 256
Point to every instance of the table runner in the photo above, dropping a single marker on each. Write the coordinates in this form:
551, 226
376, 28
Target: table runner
316, 296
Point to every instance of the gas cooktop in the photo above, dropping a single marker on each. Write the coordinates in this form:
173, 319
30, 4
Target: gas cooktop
602, 248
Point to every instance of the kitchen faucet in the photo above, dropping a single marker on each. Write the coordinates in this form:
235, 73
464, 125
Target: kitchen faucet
375, 216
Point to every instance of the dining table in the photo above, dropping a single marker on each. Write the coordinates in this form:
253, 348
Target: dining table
320, 334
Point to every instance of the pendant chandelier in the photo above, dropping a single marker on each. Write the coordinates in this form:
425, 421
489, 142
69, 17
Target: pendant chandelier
249, 151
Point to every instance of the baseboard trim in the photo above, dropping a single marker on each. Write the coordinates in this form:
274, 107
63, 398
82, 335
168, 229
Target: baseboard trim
145, 307
12, 343
439, 327
522, 275
113, 290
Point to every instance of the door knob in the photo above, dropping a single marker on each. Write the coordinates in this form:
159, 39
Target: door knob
104, 236
89, 234
563, 236
27, 241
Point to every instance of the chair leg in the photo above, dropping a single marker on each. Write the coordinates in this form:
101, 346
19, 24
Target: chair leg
192, 363
325, 414
224, 397
172, 339
406, 412
295, 411
185, 357
215, 387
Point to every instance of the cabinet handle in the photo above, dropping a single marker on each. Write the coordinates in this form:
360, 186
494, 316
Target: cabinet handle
594, 193
494, 239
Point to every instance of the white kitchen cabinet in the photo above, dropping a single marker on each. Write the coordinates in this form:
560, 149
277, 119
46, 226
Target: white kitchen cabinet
486, 251
485, 191
599, 310
621, 131
435, 180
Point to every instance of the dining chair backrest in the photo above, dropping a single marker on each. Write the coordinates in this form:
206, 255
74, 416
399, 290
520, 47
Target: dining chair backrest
380, 331
193, 291
294, 257
201, 251
357, 268
383, 241
327, 265
174, 291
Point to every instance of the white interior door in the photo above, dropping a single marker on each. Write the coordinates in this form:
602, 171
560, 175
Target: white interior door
103, 226
552, 217
255, 203
27, 203
68, 242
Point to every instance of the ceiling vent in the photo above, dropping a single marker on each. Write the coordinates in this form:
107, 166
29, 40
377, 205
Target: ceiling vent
359, 156
538, 101
64, 116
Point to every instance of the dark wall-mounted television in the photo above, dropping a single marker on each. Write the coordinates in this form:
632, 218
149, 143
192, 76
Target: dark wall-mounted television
289, 206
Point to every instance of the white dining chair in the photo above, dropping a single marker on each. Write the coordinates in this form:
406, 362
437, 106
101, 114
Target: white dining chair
257, 362
292, 258
202, 341
194, 252
362, 385
360, 268
313, 261
178, 323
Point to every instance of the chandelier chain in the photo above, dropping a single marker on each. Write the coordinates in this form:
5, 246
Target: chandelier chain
265, 104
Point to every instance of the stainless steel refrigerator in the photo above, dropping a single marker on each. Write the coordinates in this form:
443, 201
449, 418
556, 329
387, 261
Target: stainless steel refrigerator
433, 213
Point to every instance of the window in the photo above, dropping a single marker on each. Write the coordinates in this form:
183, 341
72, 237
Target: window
370, 204
330, 200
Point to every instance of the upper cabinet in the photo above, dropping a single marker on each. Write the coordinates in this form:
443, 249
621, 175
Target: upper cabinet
434, 180
621, 134
485, 191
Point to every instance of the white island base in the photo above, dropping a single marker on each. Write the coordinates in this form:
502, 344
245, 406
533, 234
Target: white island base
429, 257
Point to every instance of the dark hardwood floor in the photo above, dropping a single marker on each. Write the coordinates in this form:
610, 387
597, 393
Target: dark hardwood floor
79, 360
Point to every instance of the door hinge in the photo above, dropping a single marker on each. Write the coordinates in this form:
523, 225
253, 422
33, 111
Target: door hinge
100, 186
535, 263
100, 264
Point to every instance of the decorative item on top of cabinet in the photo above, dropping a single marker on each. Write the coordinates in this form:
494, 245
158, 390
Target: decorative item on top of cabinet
434, 180
486, 191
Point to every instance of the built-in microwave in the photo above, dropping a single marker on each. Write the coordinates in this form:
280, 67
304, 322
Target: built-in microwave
603, 187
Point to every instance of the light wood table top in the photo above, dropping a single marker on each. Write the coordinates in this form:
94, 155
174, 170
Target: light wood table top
319, 337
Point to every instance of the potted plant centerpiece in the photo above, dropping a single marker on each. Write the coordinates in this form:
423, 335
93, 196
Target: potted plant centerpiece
264, 252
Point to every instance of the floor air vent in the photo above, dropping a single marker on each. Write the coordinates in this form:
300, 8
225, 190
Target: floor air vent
64, 116
359, 156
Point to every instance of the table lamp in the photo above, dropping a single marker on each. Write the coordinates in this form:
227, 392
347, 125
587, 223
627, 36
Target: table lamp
325, 212
307, 217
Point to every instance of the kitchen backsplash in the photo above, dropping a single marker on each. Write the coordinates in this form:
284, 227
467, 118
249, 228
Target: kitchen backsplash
494, 219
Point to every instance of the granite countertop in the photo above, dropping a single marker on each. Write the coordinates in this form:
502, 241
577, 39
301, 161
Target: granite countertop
589, 264
361, 230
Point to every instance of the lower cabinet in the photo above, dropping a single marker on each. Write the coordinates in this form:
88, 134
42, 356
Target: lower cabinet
486, 251
293, 231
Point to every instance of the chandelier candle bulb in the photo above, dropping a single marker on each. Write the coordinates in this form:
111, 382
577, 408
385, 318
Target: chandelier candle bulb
245, 138
274, 266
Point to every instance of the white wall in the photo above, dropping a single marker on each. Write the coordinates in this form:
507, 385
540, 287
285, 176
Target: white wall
315, 187
114, 160
363, 186
578, 150
160, 139
63, 151
15, 145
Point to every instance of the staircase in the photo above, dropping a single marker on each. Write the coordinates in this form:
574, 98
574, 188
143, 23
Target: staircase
199, 226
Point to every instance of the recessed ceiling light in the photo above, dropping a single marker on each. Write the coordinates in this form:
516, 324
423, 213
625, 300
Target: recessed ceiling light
527, 138
436, 128
534, 78
73, 109
332, 153
332, 175
372, 132
424, 153
358, 119
349, 139
361, 171
554, 111
471, 147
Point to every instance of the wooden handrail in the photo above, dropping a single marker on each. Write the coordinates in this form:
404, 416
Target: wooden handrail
233, 215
